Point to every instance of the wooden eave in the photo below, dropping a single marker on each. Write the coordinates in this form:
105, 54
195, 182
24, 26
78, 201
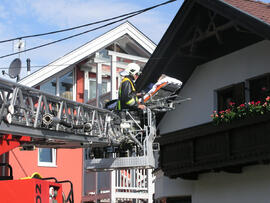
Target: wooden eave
238, 29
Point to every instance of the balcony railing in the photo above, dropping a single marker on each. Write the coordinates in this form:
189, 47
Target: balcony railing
209, 148
122, 184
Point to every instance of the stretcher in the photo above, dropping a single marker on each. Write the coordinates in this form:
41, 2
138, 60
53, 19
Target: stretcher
164, 88
164, 95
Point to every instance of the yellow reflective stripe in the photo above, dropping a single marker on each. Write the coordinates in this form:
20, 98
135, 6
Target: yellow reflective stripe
130, 102
127, 79
119, 105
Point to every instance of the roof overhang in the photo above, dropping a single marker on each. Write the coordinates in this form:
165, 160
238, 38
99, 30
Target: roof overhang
78, 55
202, 30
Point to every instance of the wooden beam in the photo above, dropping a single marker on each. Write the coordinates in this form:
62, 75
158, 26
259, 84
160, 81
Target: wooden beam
192, 56
209, 34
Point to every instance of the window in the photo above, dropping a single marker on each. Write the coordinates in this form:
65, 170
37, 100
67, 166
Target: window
116, 47
259, 88
49, 87
92, 87
66, 85
104, 87
47, 157
234, 93
62, 86
104, 53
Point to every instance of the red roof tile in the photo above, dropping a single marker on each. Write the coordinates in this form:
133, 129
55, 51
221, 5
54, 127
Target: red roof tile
255, 8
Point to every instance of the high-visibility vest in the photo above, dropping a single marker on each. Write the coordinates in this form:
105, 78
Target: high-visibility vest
120, 91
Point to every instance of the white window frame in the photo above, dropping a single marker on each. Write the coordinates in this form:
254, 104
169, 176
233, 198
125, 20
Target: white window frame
48, 164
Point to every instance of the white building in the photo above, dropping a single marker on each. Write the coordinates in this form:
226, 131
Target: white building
220, 51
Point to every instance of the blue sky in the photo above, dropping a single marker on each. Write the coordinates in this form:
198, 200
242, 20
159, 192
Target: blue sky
24, 17
19, 18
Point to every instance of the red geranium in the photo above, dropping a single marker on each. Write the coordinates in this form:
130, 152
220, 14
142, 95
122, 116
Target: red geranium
241, 111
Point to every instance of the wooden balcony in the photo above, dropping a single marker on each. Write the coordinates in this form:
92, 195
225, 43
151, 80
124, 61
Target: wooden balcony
209, 148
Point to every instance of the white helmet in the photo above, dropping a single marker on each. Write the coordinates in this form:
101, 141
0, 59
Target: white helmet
133, 69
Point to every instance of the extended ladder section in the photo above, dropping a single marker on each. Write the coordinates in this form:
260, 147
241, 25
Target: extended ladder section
113, 139
53, 121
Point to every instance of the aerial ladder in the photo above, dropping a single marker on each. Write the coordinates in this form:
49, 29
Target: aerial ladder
30, 117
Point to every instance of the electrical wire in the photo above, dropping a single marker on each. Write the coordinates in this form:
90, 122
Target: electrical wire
66, 38
41, 66
87, 31
88, 24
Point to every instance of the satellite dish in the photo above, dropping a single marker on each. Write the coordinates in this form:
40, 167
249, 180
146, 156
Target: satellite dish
15, 68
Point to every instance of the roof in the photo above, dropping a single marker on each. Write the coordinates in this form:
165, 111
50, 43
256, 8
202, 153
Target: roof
84, 51
257, 9
188, 41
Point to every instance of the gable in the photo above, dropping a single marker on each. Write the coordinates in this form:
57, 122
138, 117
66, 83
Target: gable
125, 32
202, 31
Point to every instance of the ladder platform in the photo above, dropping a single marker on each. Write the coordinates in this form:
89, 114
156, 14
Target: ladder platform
120, 162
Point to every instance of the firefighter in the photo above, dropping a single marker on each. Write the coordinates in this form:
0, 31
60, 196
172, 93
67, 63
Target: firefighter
127, 95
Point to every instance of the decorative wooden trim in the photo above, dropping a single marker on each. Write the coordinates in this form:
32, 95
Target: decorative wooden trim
208, 148
207, 128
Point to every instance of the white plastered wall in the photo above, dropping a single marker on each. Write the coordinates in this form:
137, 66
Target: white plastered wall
253, 185
234, 68
166, 187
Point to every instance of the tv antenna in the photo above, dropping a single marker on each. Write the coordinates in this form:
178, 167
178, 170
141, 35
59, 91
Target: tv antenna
18, 45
